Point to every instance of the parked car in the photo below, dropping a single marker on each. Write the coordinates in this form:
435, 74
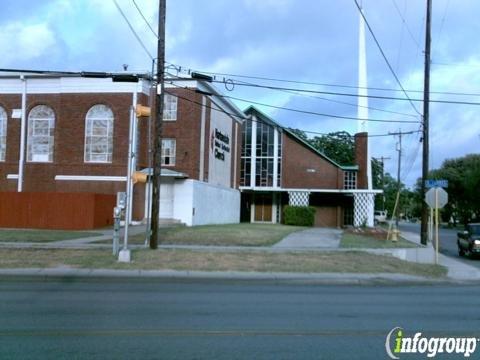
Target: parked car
380, 217
468, 240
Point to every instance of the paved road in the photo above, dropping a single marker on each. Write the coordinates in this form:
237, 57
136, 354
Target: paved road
448, 242
80, 319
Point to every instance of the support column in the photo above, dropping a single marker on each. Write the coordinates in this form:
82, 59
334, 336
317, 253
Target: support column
253, 169
363, 209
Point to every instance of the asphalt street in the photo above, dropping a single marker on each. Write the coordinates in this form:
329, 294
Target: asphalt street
447, 239
159, 319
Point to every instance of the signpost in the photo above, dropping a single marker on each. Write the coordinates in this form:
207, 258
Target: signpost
436, 198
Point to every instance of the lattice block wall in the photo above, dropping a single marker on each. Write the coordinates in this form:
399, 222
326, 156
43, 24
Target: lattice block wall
363, 205
298, 198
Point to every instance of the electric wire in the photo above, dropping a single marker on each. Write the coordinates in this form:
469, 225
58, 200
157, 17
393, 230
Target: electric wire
188, 71
385, 57
144, 19
307, 111
405, 24
343, 102
353, 95
243, 118
132, 29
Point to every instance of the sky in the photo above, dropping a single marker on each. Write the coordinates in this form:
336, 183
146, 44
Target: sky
313, 41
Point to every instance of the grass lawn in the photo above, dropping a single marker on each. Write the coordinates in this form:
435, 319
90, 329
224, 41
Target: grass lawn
14, 235
222, 235
343, 262
350, 240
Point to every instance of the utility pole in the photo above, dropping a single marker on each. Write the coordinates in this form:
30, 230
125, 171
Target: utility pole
426, 115
157, 150
399, 183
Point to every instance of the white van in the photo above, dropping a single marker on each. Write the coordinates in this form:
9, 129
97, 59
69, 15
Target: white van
380, 216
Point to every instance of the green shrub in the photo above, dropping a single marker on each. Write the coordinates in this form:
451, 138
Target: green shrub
299, 215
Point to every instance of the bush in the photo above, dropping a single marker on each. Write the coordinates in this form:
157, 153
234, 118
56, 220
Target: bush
299, 215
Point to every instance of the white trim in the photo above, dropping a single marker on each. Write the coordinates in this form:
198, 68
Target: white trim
23, 136
275, 157
12, 176
201, 175
253, 154
68, 85
335, 191
235, 157
90, 178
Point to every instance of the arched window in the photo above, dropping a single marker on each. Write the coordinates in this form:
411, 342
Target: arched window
99, 134
3, 133
41, 128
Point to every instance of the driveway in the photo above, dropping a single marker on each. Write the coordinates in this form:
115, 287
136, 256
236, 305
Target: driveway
312, 238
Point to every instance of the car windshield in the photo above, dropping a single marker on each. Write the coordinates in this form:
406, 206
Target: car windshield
474, 229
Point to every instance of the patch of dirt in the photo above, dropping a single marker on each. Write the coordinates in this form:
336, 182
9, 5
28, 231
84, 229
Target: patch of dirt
376, 233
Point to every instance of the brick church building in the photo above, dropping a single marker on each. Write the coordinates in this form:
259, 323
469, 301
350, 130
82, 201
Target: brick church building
64, 144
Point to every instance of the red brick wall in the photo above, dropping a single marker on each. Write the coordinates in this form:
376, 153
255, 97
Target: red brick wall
361, 147
68, 159
70, 111
186, 131
297, 158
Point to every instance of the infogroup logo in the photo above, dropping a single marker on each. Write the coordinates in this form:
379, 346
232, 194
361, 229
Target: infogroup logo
397, 343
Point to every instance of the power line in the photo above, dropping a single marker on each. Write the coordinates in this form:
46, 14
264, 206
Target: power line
347, 94
345, 103
405, 24
385, 57
442, 22
145, 19
452, 64
187, 70
133, 30
259, 121
317, 113
306, 111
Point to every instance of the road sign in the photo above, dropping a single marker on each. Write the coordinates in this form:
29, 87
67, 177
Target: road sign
436, 198
436, 183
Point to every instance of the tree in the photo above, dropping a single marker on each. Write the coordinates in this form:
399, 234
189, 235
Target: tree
407, 205
338, 146
300, 133
463, 175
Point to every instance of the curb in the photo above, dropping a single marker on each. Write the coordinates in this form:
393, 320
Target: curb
311, 278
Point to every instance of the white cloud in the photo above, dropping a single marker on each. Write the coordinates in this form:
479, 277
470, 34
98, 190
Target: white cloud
269, 6
19, 41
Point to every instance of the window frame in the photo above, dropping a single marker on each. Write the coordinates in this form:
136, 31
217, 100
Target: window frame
109, 118
3, 133
171, 112
350, 180
32, 126
164, 156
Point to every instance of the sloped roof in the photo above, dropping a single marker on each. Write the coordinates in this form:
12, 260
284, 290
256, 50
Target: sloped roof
252, 110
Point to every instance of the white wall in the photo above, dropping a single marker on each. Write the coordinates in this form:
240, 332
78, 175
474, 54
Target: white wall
215, 204
200, 203
183, 201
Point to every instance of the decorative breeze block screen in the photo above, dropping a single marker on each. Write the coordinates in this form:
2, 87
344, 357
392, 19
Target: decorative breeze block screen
298, 198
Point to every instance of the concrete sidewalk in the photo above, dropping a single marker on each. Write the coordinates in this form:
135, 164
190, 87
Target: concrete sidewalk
457, 270
314, 238
311, 240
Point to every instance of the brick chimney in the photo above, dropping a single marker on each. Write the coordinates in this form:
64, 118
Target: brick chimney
361, 151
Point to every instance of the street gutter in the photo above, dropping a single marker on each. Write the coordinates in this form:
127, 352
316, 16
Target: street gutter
50, 274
